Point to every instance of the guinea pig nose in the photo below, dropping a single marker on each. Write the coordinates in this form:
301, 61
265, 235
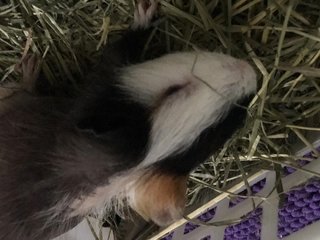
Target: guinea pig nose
247, 76
242, 66
239, 66
245, 101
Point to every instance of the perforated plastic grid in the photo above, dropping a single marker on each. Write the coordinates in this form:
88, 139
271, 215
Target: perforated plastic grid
207, 216
168, 237
255, 188
301, 208
249, 229
300, 163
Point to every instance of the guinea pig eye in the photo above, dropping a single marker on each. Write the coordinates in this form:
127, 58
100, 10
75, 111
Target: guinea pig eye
172, 90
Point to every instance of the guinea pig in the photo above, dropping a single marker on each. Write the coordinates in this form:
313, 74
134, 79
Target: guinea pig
131, 138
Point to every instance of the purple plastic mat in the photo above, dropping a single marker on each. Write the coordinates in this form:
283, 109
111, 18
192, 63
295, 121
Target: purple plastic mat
248, 229
168, 237
300, 163
206, 238
207, 216
301, 208
255, 188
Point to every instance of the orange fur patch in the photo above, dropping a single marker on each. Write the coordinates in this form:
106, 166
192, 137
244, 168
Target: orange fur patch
160, 197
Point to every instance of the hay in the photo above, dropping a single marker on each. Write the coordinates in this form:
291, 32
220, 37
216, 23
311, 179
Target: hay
281, 38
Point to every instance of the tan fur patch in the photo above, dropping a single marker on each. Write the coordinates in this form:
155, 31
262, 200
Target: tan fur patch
160, 197
155, 196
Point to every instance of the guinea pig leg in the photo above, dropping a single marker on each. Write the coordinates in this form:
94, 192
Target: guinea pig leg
129, 49
144, 13
8, 89
30, 67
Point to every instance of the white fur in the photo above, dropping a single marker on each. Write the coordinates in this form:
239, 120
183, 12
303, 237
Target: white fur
113, 196
119, 194
182, 116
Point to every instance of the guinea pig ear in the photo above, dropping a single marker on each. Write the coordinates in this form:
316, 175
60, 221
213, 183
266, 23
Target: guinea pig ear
107, 113
95, 123
101, 121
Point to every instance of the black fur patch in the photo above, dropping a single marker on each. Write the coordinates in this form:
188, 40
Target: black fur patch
46, 157
55, 149
108, 115
209, 141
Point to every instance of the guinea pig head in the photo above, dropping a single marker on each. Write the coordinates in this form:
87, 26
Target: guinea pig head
196, 101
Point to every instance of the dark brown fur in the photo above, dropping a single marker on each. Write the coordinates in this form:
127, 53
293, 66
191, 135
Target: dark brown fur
55, 150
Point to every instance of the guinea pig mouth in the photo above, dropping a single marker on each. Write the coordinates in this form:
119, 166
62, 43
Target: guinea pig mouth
245, 101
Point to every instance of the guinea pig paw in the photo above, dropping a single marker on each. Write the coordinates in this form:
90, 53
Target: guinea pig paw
30, 66
144, 13
7, 91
